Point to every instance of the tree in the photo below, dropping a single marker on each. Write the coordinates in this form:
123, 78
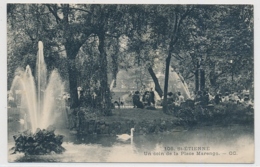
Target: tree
155, 27
65, 27
166, 26
73, 29
98, 35
218, 34
141, 46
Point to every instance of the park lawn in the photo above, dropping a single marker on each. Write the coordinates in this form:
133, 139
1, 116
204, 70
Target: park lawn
136, 114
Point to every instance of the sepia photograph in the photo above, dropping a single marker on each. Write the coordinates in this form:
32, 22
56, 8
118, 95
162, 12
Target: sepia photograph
167, 83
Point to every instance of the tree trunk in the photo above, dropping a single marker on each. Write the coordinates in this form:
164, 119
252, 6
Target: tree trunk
72, 50
168, 61
156, 82
104, 88
72, 71
115, 63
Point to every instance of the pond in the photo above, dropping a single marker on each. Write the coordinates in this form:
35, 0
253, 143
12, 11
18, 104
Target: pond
212, 144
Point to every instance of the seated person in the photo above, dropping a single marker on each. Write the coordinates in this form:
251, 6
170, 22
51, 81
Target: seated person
146, 98
136, 100
180, 99
170, 99
226, 97
218, 98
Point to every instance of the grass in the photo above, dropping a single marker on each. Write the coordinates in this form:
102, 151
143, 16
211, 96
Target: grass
136, 115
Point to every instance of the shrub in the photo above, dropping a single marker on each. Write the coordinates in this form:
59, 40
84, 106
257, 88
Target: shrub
224, 113
40, 143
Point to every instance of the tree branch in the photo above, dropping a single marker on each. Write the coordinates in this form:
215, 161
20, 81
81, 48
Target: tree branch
185, 14
178, 23
188, 77
177, 56
58, 19
81, 10
65, 10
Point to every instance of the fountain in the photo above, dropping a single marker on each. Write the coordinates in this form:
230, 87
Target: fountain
40, 100
126, 83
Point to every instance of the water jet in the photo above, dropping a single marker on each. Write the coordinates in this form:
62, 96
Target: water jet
40, 96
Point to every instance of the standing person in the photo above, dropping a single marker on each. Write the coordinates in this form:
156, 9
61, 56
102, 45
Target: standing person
142, 90
66, 99
66, 102
88, 97
82, 99
94, 99
151, 97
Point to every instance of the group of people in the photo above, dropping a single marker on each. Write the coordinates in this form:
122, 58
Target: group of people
175, 98
147, 99
143, 100
242, 98
205, 98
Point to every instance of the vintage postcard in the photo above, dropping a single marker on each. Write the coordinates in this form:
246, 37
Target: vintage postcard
130, 83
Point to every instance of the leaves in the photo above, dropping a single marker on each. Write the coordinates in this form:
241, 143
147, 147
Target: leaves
40, 143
